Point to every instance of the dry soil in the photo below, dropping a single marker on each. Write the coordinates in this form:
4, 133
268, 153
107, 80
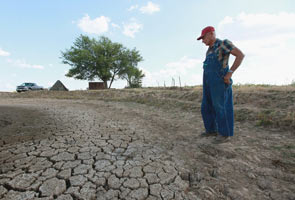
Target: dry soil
79, 146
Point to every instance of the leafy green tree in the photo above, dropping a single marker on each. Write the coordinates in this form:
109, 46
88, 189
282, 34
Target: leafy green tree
91, 59
133, 76
131, 73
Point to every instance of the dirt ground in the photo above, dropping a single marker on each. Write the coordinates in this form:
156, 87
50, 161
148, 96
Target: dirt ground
87, 146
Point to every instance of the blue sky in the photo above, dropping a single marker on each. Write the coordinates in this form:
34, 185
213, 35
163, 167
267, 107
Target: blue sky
34, 32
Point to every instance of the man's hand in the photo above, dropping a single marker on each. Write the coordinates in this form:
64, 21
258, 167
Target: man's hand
227, 78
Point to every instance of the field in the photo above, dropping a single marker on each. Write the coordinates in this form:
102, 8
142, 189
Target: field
145, 144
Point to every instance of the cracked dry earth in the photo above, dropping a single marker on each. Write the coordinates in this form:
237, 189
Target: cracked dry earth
86, 149
72, 150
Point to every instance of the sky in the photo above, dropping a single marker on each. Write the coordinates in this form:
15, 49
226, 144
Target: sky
33, 34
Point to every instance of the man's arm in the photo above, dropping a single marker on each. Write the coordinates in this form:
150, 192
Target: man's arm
238, 60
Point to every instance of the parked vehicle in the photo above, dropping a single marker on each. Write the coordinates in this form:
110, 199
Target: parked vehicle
28, 86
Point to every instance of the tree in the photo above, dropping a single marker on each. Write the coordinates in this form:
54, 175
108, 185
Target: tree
131, 73
91, 59
133, 76
135, 80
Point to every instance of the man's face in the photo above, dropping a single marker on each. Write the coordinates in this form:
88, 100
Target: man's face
207, 38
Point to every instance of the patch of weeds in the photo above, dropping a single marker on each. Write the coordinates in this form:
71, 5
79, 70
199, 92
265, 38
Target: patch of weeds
266, 118
289, 119
279, 119
287, 151
247, 85
290, 146
243, 114
286, 146
279, 148
289, 154
286, 165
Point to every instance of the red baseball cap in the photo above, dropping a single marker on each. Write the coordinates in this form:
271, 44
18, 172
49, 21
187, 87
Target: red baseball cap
208, 29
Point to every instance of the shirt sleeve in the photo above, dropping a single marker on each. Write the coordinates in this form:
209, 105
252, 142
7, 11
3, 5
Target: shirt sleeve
227, 46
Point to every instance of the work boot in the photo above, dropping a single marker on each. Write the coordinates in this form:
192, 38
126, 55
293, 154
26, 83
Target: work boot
221, 139
207, 134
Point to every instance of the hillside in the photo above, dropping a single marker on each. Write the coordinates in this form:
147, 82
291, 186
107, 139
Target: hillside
145, 144
268, 106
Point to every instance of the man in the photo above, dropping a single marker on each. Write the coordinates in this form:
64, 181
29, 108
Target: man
217, 104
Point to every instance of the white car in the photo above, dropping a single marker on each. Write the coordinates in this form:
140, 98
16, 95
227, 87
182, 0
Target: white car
28, 86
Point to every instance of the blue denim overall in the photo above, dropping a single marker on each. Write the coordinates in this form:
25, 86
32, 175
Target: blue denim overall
217, 103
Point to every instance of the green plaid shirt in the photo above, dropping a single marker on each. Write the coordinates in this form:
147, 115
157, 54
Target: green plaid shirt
222, 48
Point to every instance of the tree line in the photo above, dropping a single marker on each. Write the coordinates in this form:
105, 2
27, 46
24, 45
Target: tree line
103, 59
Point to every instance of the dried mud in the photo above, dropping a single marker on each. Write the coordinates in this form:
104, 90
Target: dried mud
95, 149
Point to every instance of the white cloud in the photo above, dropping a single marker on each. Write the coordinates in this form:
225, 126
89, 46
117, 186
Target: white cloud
96, 26
180, 67
131, 28
150, 8
280, 20
134, 7
254, 26
268, 41
4, 53
24, 64
115, 25
226, 20
189, 71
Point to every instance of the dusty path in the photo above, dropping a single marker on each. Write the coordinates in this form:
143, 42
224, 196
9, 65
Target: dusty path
76, 149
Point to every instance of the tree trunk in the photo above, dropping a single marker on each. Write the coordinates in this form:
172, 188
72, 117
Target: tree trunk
105, 84
112, 81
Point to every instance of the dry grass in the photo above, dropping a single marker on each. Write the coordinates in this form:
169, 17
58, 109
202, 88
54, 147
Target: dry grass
269, 106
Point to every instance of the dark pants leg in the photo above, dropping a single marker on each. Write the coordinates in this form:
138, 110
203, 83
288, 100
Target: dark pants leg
222, 99
207, 109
